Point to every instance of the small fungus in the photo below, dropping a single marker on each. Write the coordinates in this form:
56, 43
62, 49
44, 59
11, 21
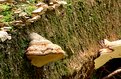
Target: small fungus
33, 19
40, 4
2, 24
62, 2
109, 51
18, 23
39, 11
7, 1
2, 1
22, 14
51, 3
4, 35
55, 4
17, 11
6, 28
42, 51
42, 8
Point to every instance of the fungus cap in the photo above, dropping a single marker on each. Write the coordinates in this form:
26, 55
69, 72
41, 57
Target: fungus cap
42, 59
35, 18
62, 2
38, 10
42, 51
40, 4
6, 28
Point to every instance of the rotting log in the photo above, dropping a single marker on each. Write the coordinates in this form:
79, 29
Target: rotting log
77, 29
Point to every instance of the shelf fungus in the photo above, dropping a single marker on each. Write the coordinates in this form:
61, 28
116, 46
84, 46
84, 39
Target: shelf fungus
42, 51
109, 51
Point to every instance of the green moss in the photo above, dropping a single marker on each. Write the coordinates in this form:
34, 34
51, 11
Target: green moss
29, 9
4, 7
6, 13
74, 29
7, 16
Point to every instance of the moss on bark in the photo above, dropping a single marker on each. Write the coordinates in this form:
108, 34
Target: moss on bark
76, 28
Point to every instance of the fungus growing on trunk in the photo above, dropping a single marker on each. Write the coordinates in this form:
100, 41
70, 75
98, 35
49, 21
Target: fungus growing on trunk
42, 51
111, 50
49, 5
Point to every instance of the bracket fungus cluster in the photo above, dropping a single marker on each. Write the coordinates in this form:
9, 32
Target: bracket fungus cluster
42, 51
24, 14
42, 7
109, 51
51, 5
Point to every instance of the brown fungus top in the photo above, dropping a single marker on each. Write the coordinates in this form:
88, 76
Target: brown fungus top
42, 51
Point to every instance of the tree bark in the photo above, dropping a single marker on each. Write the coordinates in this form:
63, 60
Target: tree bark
77, 28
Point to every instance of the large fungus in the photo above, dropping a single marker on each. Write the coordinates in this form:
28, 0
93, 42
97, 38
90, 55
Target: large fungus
111, 50
42, 51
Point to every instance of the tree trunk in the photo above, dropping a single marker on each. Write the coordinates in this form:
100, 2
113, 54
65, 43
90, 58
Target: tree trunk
77, 28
